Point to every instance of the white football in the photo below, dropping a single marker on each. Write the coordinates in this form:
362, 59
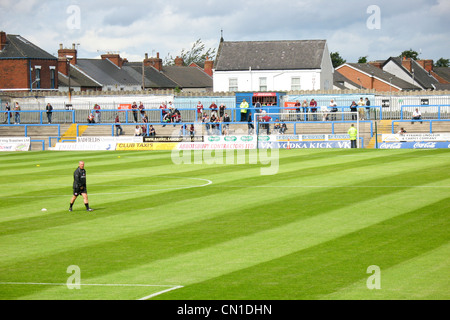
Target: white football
43, 209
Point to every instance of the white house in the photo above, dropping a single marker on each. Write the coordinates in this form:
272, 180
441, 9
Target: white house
273, 66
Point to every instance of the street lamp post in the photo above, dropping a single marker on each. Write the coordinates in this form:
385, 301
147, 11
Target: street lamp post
68, 58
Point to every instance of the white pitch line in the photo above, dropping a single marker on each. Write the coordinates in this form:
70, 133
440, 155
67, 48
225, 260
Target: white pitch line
353, 186
208, 182
89, 284
160, 292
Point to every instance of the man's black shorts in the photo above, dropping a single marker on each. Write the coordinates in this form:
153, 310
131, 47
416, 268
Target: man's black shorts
79, 190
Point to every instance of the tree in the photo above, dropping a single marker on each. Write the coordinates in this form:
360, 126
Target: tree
336, 59
410, 54
362, 59
197, 54
442, 63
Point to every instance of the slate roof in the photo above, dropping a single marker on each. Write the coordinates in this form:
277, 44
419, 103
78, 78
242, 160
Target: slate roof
421, 76
270, 55
443, 72
383, 75
153, 78
188, 77
18, 47
106, 72
77, 79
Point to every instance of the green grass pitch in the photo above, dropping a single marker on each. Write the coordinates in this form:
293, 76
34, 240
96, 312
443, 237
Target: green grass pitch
162, 230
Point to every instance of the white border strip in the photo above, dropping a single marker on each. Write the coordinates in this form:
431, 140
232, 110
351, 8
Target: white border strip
171, 287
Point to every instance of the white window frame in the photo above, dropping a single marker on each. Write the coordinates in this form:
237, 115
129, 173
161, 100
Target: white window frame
296, 86
263, 84
233, 84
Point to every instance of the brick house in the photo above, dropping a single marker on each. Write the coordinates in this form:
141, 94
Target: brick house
24, 66
371, 76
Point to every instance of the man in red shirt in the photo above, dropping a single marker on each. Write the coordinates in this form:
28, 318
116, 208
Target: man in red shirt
213, 108
199, 111
313, 106
266, 126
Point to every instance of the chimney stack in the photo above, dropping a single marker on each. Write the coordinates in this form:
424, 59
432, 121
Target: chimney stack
64, 53
153, 62
2, 40
406, 62
377, 64
114, 58
426, 64
209, 66
179, 61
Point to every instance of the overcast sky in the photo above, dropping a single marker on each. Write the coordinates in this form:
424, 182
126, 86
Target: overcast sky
354, 28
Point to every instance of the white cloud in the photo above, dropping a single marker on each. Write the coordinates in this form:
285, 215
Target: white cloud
168, 26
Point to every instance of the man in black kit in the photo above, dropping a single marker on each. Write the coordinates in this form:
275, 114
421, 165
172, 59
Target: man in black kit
79, 186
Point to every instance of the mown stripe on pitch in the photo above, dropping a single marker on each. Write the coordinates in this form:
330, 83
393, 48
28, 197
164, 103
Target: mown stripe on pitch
321, 270
127, 252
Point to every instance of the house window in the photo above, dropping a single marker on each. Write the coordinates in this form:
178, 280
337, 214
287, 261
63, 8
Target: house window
38, 77
233, 84
52, 78
263, 84
295, 84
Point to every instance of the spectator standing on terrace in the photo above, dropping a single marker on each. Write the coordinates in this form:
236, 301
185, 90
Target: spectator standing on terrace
192, 132
199, 111
17, 113
49, 110
134, 109
305, 109
354, 108
417, 115
283, 128
313, 108
205, 120
267, 119
7, 113
226, 126
79, 186
244, 107
367, 108
297, 109
97, 113
353, 133
251, 127
401, 131
213, 121
334, 109
222, 108
119, 130
142, 111
361, 104
213, 108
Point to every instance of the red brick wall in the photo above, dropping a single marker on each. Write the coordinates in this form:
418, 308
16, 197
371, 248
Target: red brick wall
366, 81
45, 73
15, 73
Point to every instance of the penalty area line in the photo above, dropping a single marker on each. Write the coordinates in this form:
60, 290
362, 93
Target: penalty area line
160, 292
